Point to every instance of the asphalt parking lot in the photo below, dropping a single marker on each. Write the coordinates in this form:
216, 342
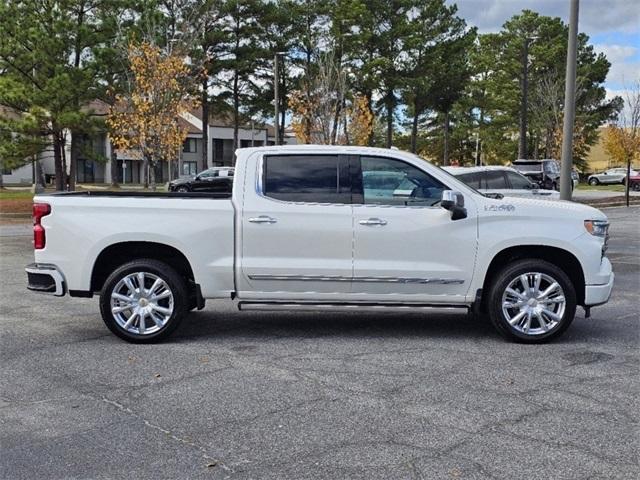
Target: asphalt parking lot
277, 395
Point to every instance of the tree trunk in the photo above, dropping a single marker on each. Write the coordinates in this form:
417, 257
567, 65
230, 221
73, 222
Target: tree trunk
57, 159
65, 175
445, 157
369, 105
114, 169
1, 181
145, 169
40, 178
236, 117
73, 161
283, 104
414, 131
205, 124
627, 183
152, 175
389, 141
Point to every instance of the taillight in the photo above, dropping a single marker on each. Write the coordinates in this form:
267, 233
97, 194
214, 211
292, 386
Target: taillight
39, 210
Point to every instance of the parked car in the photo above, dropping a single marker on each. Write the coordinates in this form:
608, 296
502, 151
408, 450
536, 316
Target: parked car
493, 180
611, 176
216, 179
545, 173
575, 178
302, 231
634, 182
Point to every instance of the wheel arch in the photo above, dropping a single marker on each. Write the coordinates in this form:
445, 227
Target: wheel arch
560, 257
114, 255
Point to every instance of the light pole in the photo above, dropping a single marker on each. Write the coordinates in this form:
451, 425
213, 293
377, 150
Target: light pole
569, 104
276, 97
276, 93
522, 143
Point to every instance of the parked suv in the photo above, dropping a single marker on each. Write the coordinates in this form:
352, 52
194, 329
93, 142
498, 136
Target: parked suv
545, 172
492, 180
634, 181
611, 176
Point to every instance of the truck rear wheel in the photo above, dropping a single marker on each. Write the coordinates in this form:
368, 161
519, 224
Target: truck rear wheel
531, 301
143, 301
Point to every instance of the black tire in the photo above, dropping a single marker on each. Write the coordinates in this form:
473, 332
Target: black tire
175, 284
594, 182
509, 274
635, 186
183, 189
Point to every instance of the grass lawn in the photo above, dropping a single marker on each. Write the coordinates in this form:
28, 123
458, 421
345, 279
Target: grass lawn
15, 194
15, 201
603, 188
20, 200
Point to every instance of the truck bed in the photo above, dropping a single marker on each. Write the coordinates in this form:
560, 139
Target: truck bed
143, 194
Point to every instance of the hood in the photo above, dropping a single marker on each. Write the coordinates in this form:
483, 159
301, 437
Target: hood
181, 180
546, 208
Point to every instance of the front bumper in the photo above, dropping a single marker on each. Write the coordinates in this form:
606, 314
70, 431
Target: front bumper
45, 278
600, 293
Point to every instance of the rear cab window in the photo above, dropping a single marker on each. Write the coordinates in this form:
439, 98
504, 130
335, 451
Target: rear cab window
307, 178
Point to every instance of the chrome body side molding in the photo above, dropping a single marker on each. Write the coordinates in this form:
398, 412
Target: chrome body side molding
338, 278
345, 306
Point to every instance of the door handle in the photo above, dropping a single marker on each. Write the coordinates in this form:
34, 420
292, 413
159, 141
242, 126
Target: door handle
263, 219
373, 222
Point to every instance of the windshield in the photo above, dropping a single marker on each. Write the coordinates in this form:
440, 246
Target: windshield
466, 184
448, 174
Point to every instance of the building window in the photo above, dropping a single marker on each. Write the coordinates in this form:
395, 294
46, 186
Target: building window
189, 168
218, 151
189, 146
85, 171
6, 171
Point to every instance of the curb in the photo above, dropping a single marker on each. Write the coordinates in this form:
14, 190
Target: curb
15, 215
611, 202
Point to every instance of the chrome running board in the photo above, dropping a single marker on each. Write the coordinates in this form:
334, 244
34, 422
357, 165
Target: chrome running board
345, 306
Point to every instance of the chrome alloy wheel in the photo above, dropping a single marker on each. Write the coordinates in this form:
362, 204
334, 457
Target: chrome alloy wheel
533, 303
141, 303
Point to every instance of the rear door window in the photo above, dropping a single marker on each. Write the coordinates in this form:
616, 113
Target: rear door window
307, 178
517, 181
471, 179
493, 179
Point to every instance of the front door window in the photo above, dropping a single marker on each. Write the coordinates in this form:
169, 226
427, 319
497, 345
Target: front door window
387, 181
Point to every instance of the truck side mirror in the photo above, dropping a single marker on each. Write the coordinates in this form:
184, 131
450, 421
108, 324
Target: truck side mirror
454, 202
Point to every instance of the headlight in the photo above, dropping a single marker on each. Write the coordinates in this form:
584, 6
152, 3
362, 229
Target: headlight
597, 228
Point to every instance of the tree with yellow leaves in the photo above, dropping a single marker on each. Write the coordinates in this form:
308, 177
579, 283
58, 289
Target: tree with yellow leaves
146, 118
360, 121
622, 140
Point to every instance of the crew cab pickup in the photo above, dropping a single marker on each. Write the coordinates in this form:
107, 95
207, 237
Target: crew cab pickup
324, 228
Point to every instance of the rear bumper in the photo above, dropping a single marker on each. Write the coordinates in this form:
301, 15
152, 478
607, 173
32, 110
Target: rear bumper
45, 278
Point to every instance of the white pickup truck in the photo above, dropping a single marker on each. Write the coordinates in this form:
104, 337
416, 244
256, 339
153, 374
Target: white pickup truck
323, 228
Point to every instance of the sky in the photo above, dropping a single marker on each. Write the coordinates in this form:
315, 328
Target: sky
612, 25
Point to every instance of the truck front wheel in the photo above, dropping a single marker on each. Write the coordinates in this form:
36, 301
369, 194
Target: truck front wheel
143, 301
531, 301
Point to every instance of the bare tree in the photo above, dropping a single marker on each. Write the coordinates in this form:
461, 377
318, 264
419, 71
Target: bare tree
319, 110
